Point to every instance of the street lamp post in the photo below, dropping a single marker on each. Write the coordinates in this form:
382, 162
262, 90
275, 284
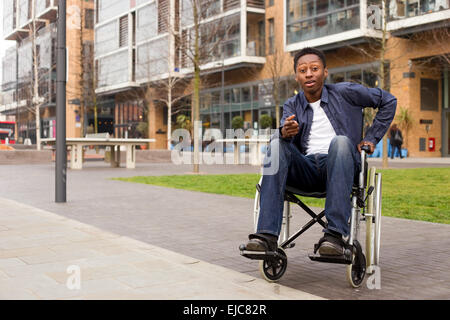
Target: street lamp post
222, 117
61, 151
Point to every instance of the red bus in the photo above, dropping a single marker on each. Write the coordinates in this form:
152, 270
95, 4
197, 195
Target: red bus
7, 132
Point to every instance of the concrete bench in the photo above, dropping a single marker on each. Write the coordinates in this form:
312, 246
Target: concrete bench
76, 145
256, 145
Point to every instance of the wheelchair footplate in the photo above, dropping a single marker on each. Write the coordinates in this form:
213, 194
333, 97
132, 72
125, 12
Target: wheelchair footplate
345, 258
342, 259
260, 255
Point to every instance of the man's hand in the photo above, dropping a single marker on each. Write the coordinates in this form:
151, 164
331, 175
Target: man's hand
290, 127
366, 143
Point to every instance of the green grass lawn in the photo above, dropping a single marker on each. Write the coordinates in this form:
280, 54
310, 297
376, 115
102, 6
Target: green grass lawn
419, 194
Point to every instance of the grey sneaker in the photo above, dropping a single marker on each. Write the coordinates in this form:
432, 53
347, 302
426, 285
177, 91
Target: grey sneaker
261, 242
330, 245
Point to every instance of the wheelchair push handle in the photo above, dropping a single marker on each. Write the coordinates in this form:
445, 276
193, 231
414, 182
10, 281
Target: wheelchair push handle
365, 148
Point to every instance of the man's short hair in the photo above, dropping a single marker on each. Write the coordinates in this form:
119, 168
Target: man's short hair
306, 51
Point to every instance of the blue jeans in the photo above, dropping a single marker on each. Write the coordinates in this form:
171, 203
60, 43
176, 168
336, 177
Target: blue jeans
333, 172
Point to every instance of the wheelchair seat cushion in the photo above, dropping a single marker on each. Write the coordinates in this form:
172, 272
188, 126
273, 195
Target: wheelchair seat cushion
306, 194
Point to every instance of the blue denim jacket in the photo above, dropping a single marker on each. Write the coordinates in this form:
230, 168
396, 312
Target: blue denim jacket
343, 104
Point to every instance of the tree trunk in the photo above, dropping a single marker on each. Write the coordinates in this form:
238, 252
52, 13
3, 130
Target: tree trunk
196, 95
82, 75
382, 83
169, 117
35, 99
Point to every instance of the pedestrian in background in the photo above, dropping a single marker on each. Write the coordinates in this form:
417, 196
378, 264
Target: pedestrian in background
396, 140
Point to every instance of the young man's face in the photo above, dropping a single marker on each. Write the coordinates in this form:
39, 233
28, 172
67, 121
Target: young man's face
310, 74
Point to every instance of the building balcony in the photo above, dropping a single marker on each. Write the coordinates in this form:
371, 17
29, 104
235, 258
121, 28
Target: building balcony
317, 23
127, 56
7, 108
17, 34
17, 20
410, 16
12, 108
231, 39
47, 9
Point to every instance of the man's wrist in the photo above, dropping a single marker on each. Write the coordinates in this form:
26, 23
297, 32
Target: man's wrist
281, 131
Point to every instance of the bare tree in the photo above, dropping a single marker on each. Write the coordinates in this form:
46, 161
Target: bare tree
276, 65
31, 77
201, 41
377, 50
36, 101
173, 88
382, 52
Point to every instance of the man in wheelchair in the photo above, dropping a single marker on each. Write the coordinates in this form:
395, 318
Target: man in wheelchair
319, 145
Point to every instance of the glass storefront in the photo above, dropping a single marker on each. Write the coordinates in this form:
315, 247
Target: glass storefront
249, 101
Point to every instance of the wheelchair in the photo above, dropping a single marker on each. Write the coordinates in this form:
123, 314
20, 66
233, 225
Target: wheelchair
366, 207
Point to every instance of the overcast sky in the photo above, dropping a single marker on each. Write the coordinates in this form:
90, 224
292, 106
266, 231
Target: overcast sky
3, 44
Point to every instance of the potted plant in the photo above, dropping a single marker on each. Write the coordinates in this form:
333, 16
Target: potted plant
142, 128
237, 122
265, 121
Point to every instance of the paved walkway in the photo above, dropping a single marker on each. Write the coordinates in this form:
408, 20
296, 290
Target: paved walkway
414, 256
46, 256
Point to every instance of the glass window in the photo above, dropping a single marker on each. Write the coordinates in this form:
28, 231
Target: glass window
227, 96
354, 76
337, 77
309, 19
255, 93
152, 58
246, 94
321, 6
293, 87
215, 97
283, 95
146, 22
8, 17
112, 70
370, 79
89, 18
212, 8
236, 95
111, 8
107, 38
429, 94
271, 36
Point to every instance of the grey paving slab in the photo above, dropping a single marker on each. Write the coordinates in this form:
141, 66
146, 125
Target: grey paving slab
208, 227
143, 271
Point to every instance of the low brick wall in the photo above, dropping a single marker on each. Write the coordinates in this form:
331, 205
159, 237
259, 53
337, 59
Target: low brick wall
25, 156
45, 156
152, 156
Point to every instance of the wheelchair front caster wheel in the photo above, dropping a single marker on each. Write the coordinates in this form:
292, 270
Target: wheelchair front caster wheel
272, 269
357, 270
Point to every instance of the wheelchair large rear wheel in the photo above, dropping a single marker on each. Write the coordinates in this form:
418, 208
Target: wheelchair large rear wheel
273, 269
373, 223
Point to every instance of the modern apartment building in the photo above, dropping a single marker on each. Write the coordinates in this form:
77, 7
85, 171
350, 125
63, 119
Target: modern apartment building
140, 42
19, 16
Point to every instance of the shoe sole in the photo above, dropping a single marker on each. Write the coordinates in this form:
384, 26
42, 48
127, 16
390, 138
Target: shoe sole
329, 249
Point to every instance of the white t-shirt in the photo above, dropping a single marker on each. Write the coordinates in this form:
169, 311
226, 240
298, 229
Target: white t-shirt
322, 132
